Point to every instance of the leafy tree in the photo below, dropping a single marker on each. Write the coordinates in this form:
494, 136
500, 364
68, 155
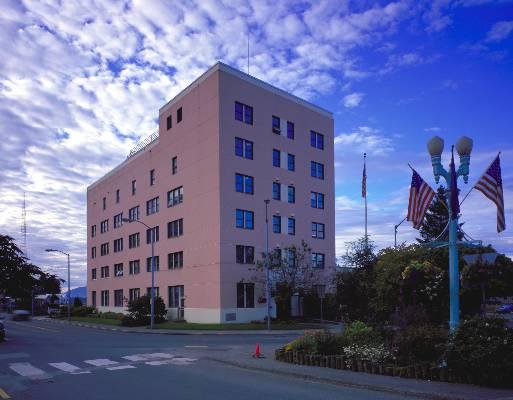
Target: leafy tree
139, 311
436, 219
291, 272
18, 277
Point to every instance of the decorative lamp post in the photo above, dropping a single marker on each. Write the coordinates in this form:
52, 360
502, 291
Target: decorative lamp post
464, 148
69, 278
152, 304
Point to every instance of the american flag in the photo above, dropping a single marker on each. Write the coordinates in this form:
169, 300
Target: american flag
490, 184
421, 196
364, 178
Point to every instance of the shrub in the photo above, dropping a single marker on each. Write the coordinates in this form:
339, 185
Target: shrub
111, 315
323, 343
139, 311
359, 333
376, 353
481, 350
83, 311
77, 302
419, 343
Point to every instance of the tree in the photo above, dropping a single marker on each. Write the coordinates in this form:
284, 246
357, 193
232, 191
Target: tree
436, 219
291, 272
139, 311
77, 302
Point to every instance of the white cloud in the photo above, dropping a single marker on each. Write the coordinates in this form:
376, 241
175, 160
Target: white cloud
499, 31
364, 140
353, 100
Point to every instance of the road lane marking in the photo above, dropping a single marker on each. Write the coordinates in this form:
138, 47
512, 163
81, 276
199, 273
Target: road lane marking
174, 361
80, 372
196, 347
160, 362
27, 370
33, 326
4, 395
120, 367
101, 362
147, 356
64, 366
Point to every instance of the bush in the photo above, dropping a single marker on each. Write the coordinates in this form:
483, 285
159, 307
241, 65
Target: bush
322, 343
481, 350
111, 315
77, 302
419, 343
375, 353
139, 311
359, 333
83, 311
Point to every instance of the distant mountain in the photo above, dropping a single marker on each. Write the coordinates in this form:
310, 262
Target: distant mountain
77, 292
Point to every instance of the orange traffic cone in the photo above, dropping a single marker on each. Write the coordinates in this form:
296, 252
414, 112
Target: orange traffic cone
257, 351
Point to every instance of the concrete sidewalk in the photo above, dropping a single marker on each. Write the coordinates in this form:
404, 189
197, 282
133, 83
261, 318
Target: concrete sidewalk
401, 386
146, 330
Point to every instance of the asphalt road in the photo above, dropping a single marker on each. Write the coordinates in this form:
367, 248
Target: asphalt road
46, 360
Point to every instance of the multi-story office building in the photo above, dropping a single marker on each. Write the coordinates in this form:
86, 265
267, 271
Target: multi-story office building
225, 144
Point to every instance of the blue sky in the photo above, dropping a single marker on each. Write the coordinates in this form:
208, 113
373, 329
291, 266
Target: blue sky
81, 83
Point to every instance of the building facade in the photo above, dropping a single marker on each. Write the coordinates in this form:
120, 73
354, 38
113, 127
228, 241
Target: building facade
225, 144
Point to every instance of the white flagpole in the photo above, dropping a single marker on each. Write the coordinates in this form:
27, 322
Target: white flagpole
365, 177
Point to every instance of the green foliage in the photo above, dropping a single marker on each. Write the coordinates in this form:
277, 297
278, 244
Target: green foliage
359, 333
322, 343
77, 302
139, 311
83, 311
436, 219
419, 343
111, 315
376, 353
312, 307
482, 350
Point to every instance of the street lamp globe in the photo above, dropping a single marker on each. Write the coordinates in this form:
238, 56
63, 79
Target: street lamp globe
435, 146
464, 146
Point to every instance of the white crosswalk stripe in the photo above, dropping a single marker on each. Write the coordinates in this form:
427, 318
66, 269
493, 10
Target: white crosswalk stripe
64, 366
147, 356
101, 362
27, 370
120, 367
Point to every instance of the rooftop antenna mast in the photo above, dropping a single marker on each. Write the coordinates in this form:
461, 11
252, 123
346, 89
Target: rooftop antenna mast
24, 225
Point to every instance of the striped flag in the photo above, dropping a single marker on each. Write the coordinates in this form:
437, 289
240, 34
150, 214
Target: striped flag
421, 196
364, 178
490, 184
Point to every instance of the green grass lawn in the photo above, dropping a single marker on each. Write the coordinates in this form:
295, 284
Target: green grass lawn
196, 326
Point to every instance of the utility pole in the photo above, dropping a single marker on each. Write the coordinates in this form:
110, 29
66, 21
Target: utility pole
267, 266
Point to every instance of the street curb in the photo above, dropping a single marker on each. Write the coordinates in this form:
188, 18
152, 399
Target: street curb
338, 382
181, 332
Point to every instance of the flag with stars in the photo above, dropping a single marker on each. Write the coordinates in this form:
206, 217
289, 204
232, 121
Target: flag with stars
421, 196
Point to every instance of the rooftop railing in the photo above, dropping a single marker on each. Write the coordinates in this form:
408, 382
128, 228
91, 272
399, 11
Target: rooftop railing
143, 144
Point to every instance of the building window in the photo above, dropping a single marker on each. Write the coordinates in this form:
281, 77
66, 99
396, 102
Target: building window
118, 270
148, 264
317, 140
290, 130
291, 191
93, 230
276, 124
243, 148
152, 235
291, 162
104, 226
179, 115
316, 200
105, 298
316, 170
152, 206
104, 272
175, 228
104, 203
276, 158
317, 230
318, 260
290, 255
292, 226
175, 260
169, 122
276, 191
134, 187
176, 296
134, 267
133, 213
244, 254
118, 298
134, 294
93, 252
93, 298
118, 220
244, 113
245, 295
174, 165
156, 291
118, 245
244, 183
175, 197
152, 177
244, 219
104, 249
117, 196
133, 240
276, 224
93, 274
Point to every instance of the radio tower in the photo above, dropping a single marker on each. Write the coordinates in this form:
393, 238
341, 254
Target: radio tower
24, 226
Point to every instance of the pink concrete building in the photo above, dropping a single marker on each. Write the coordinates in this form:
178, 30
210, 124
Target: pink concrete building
224, 145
